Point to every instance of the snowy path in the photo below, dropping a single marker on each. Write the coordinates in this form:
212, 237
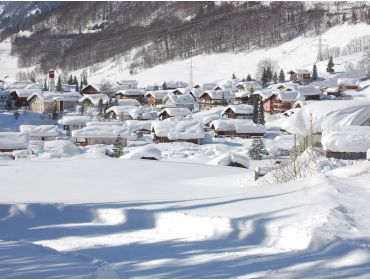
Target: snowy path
190, 221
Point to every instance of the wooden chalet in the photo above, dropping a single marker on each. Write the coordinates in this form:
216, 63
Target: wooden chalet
89, 89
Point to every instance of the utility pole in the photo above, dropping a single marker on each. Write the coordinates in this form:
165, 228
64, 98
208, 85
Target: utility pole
191, 68
320, 45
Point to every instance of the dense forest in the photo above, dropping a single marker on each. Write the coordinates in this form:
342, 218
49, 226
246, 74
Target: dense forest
74, 35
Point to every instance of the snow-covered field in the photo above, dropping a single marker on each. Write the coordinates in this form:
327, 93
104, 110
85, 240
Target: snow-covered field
145, 219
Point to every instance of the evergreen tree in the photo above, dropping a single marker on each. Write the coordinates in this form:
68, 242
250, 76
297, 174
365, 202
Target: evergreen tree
275, 78
82, 108
101, 107
260, 111
243, 80
268, 74
45, 88
81, 85
257, 149
233, 76
75, 80
118, 147
330, 67
249, 78
281, 76
164, 85
314, 72
264, 80
70, 80
59, 86
85, 80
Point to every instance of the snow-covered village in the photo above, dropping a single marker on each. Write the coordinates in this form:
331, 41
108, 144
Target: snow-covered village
241, 160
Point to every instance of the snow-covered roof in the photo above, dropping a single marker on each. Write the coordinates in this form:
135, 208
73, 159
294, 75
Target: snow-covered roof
100, 131
326, 114
131, 92
39, 130
348, 82
348, 139
226, 159
289, 96
157, 94
238, 125
47, 96
70, 120
176, 112
148, 151
240, 109
183, 90
14, 140
26, 92
249, 85
178, 130
331, 90
179, 99
135, 125
95, 98
96, 87
308, 90
128, 102
132, 111
206, 116
301, 71
219, 94
18, 85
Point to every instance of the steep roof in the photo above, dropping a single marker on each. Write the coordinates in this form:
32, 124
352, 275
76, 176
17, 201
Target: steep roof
131, 92
179, 99
176, 112
240, 109
132, 111
219, 94
95, 98
157, 94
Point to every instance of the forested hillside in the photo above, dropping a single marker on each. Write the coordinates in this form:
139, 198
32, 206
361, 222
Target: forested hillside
74, 35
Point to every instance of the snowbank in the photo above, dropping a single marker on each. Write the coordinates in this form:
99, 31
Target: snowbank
228, 159
14, 140
39, 130
148, 152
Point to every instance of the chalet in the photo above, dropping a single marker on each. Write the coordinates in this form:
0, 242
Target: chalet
140, 128
231, 159
211, 98
346, 142
302, 76
207, 116
237, 128
173, 112
309, 92
71, 123
128, 84
177, 131
148, 152
333, 91
312, 120
241, 97
53, 102
99, 134
125, 113
10, 141
156, 97
195, 92
180, 101
242, 111
348, 83
89, 89
40, 132
92, 100
280, 102
137, 94
19, 96
180, 91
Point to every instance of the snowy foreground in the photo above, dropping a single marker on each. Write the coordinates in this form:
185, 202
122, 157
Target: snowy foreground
135, 218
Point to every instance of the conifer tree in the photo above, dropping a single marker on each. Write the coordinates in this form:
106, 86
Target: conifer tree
330, 67
45, 88
314, 72
101, 107
59, 86
257, 149
118, 147
233, 76
264, 80
70, 80
281, 76
275, 78
268, 74
164, 85
260, 111
249, 78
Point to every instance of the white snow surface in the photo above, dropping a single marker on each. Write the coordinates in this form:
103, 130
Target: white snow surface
180, 221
